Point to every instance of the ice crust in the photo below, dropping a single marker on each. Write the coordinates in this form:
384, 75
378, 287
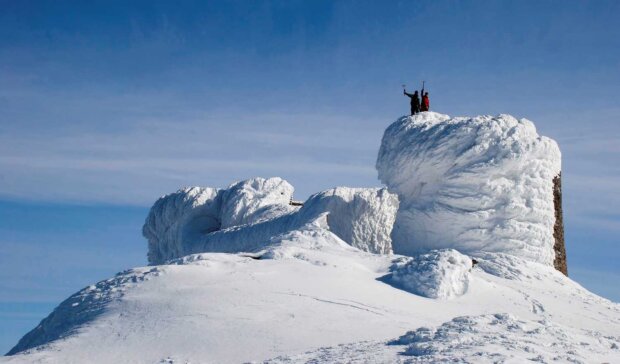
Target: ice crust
481, 184
248, 214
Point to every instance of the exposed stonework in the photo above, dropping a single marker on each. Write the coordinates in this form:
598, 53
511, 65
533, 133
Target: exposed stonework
558, 229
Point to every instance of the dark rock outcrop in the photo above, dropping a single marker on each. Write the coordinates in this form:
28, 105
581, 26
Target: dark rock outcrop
558, 229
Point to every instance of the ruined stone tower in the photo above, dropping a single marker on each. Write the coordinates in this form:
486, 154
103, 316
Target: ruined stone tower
558, 229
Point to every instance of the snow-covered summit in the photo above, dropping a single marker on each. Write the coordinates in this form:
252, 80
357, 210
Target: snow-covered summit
481, 184
240, 274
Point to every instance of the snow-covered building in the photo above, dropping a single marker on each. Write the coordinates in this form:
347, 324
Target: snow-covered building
247, 214
482, 184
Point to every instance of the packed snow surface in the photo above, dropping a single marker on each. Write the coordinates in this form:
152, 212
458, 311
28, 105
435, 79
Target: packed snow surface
239, 275
495, 338
482, 184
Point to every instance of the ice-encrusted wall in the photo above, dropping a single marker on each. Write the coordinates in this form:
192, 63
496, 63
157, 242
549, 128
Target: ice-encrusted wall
481, 184
363, 217
248, 215
179, 221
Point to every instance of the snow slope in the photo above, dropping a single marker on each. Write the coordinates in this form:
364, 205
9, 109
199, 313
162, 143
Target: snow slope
239, 275
309, 290
482, 184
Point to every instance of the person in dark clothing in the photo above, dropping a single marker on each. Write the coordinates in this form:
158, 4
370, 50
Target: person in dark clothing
415, 101
426, 104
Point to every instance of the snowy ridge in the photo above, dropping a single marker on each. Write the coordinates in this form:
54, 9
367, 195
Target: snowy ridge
482, 184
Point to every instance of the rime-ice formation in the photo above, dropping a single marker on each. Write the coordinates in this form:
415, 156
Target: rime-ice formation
439, 274
482, 184
255, 200
248, 214
181, 218
363, 217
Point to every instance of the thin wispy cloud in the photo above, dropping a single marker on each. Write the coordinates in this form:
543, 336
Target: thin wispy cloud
137, 163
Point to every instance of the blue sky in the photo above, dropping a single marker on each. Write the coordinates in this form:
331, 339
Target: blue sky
105, 106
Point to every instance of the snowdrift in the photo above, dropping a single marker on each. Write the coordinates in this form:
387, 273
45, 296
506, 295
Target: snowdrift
482, 184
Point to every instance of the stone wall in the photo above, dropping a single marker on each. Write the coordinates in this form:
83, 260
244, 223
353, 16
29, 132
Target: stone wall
558, 229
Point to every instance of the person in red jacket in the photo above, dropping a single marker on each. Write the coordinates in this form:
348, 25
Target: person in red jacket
425, 105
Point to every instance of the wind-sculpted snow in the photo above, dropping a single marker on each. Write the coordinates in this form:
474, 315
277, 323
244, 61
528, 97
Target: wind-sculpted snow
178, 219
363, 217
441, 274
255, 200
247, 215
482, 184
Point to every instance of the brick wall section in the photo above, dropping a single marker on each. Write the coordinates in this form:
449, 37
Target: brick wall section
558, 229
